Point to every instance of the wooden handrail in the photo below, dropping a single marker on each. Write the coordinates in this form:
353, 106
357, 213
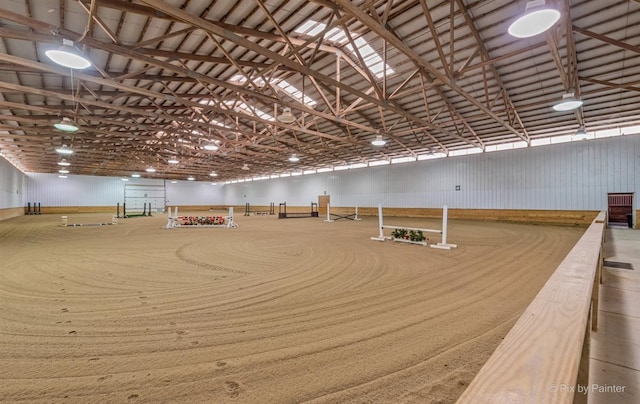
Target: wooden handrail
545, 356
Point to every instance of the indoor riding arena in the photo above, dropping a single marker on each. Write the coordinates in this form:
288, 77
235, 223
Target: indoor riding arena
319, 202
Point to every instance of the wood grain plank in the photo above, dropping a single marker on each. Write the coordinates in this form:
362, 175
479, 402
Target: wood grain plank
539, 360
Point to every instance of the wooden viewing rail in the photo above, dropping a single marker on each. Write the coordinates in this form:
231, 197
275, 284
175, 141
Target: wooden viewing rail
545, 356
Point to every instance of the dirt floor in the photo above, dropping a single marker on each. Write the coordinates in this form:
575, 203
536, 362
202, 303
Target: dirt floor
274, 311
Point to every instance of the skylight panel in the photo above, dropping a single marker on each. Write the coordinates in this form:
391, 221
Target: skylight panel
371, 58
287, 87
211, 121
239, 78
295, 93
336, 35
241, 106
310, 28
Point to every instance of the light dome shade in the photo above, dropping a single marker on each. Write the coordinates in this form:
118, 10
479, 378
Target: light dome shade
294, 158
211, 146
64, 163
286, 116
64, 150
68, 56
191, 179
379, 141
173, 161
569, 103
581, 133
150, 170
536, 19
66, 125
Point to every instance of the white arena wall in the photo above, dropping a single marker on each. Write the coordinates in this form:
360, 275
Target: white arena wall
567, 176
84, 192
576, 175
11, 190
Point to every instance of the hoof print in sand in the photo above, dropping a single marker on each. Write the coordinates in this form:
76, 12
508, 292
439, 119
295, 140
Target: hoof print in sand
232, 388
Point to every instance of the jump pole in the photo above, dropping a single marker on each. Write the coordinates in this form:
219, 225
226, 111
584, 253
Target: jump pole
65, 222
329, 220
443, 245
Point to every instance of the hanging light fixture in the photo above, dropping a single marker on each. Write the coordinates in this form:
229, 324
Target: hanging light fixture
63, 171
245, 167
294, 158
191, 179
135, 175
173, 160
537, 18
68, 56
64, 163
581, 134
379, 141
286, 116
150, 170
213, 144
213, 174
569, 103
64, 150
66, 125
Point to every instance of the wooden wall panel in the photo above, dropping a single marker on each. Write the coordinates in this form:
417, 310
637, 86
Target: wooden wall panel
8, 213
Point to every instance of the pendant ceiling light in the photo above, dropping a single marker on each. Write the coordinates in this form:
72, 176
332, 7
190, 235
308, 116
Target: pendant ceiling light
286, 116
569, 103
581, 134
294, 158
379, 141
64, 163
64, 150
66, 125
68, 56
537, 18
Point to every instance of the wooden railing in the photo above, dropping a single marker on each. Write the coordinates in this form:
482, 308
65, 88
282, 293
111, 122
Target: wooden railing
545, 356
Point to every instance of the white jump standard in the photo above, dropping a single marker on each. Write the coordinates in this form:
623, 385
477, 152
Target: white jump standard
353, 216
176, 221
442, 245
